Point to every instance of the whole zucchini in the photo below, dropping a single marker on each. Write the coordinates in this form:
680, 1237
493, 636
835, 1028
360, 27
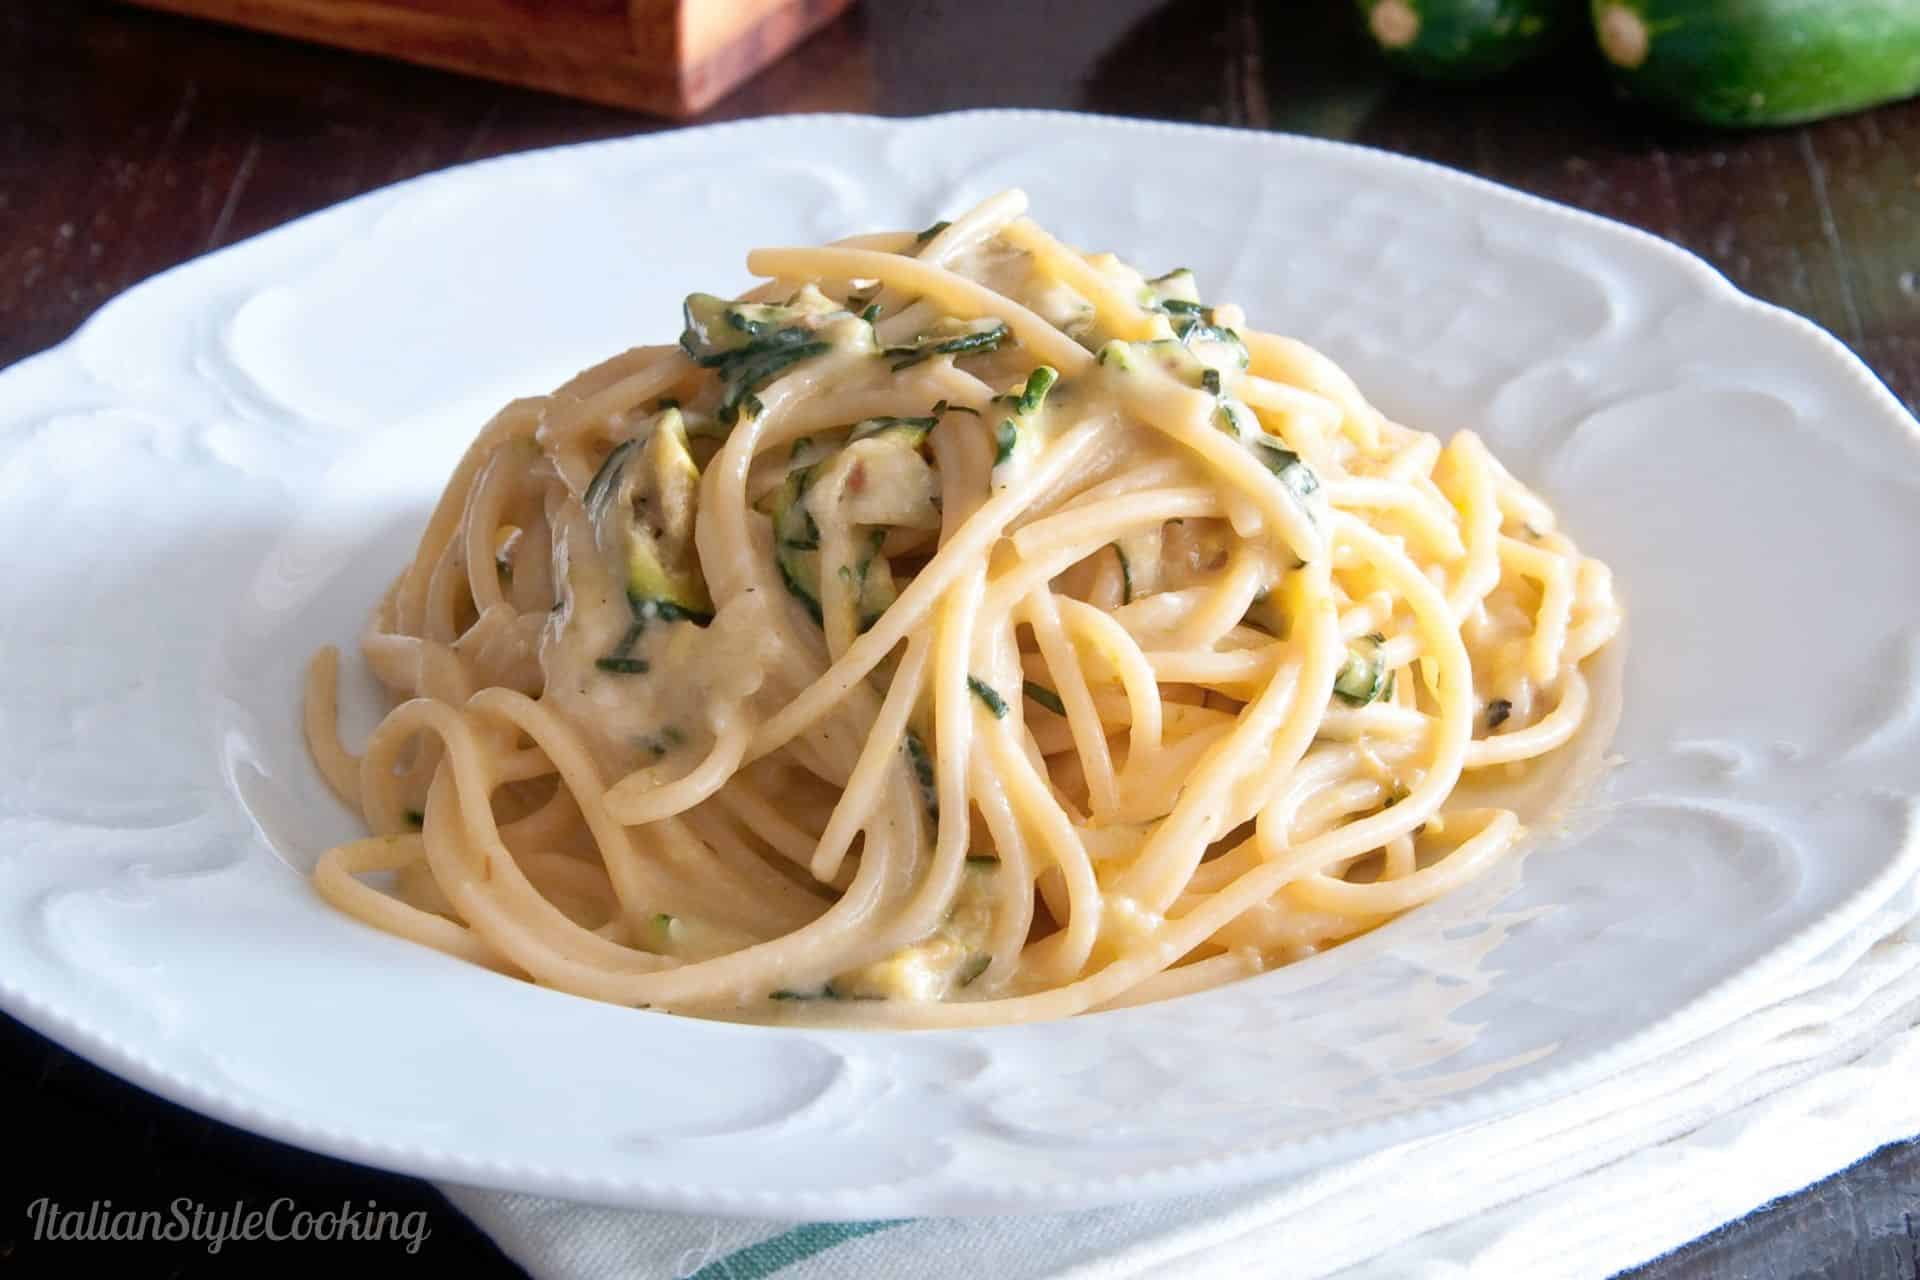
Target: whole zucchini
1467, 39
1762, 62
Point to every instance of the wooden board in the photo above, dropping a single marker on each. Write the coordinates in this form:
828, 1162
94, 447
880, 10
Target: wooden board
671, 57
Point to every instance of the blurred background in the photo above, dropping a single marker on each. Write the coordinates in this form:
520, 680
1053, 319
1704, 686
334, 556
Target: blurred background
132, 140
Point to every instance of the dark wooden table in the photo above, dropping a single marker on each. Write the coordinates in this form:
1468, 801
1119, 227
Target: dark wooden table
130, 142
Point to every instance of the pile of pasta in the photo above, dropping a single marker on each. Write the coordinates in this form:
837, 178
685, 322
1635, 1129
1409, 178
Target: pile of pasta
957, 629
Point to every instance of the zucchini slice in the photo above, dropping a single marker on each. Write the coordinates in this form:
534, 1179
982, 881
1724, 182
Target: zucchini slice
950, 337
1022, 425
887, 482
1363, 677
882, 482
717, 330
912, 430
1175, 293
642, 503
796, 540
751, 344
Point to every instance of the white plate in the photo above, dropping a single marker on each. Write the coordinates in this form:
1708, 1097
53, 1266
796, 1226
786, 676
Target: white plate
224, 467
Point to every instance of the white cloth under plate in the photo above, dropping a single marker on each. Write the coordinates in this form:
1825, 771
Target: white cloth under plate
1586, 1186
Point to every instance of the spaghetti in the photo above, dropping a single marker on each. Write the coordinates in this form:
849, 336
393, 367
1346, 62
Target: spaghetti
957, 629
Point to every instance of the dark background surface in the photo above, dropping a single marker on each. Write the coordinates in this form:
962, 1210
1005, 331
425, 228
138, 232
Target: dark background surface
130, 142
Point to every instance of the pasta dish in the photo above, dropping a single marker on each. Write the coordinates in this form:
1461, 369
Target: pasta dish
957, 629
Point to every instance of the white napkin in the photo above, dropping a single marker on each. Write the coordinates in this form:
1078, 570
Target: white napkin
1748, 1111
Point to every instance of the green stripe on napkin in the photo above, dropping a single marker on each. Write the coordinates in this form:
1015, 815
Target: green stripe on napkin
782, 1251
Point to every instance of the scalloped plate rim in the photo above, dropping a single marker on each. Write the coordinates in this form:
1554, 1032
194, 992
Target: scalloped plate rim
90, 1040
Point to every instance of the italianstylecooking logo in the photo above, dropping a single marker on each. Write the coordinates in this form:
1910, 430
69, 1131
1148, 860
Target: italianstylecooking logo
187, 1220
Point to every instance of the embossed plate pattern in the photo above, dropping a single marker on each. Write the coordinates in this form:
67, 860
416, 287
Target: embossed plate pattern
223, 468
